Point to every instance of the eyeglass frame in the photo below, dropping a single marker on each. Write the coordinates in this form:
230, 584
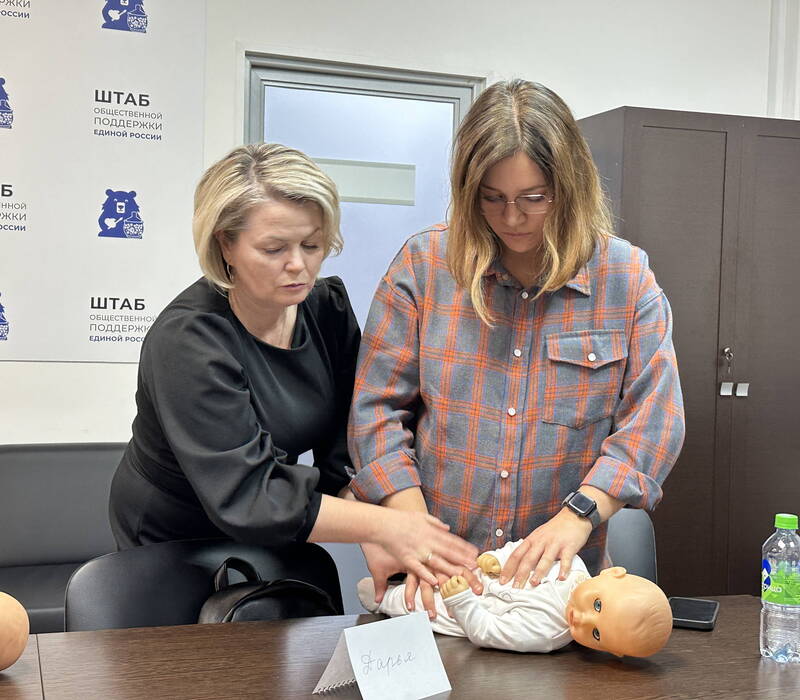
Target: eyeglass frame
506, 202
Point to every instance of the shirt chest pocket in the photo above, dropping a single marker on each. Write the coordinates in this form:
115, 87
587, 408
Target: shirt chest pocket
583, 376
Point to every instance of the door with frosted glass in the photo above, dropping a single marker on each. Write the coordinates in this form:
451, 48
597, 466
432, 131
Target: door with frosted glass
389, 157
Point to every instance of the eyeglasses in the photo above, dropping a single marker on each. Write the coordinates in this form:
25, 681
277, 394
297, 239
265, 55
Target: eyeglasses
526, 203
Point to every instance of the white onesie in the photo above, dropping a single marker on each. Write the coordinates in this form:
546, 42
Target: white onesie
503, 617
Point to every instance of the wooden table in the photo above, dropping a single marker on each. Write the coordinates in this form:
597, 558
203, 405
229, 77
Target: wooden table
23, 681
285, 660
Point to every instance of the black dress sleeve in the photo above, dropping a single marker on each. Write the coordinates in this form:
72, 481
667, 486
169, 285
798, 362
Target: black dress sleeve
342, 337
199, 391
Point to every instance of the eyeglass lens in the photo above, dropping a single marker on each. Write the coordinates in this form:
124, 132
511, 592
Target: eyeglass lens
529, 203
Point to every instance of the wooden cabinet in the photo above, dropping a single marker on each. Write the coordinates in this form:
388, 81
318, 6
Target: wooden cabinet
715, 201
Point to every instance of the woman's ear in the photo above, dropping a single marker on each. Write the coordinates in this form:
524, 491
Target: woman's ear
223, 243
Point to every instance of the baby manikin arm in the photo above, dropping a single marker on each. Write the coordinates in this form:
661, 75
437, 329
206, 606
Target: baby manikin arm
504, 552
520, 627
394, 605
502, 555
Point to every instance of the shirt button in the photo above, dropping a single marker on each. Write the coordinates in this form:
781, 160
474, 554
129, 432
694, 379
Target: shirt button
591, 357
504, 474
517, 352
524, 295
512, 411
498, 532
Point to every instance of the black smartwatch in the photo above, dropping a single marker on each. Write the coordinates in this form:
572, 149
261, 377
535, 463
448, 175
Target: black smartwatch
582, 506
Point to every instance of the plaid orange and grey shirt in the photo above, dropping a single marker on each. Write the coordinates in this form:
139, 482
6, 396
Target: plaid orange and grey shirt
498, 424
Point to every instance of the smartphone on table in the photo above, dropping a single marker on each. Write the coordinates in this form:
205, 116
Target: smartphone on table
694, 613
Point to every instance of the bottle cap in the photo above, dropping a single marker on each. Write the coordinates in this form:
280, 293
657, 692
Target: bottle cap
786, 521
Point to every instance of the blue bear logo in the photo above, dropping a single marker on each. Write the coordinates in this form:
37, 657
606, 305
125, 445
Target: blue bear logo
125, 15
3, 324
120, 217
6, 113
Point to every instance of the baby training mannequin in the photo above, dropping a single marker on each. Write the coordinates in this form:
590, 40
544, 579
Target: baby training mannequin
614, 611
14, 628
619, 612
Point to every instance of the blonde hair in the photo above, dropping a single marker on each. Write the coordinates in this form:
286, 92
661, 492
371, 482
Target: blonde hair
243, 179
524, 117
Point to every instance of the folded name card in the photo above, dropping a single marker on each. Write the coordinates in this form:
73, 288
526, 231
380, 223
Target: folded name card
395, 659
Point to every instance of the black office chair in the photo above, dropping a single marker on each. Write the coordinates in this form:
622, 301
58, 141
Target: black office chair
632, 542
167, 583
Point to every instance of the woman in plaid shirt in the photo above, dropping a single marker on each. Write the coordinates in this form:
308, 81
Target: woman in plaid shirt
517, 356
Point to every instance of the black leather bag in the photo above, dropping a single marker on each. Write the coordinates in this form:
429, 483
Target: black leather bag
254, 599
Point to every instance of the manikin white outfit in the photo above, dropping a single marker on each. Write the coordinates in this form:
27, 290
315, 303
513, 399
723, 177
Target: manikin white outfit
503, 617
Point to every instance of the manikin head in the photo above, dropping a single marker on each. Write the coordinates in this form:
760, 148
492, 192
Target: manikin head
620, 613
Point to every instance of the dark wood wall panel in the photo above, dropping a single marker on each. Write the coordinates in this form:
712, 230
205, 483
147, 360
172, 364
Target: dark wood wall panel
715, 201
766, 442
676, 215
605, 135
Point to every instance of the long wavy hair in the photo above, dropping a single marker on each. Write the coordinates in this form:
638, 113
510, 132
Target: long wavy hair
506, 119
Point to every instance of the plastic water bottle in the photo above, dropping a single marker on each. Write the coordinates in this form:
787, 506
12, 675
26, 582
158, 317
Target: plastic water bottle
780, 592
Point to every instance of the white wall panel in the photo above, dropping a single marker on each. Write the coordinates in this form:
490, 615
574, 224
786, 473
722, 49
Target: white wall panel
105, 97
709, 56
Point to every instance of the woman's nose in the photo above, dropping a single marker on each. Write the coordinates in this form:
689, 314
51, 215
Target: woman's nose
295, 261
511, 214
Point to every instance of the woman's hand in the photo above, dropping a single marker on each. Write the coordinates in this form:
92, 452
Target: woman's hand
561, 537
422, 544
426, 590
381, 565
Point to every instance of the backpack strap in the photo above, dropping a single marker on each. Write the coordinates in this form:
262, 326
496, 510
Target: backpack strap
243, 567
289, 587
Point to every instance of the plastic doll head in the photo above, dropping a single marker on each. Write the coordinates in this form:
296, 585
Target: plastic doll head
620, 613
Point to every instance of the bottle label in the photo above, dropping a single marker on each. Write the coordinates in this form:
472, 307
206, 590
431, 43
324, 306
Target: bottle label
782, 585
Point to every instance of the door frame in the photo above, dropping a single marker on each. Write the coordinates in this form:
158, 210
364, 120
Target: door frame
332, 76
